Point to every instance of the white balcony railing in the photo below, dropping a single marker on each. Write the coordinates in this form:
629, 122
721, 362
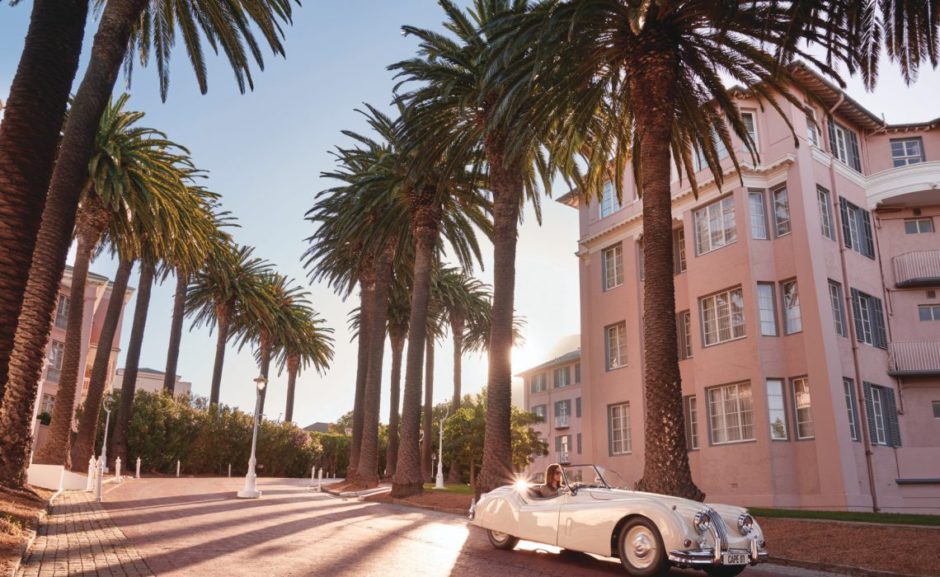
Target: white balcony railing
561, 457
914, 358
561, 422
918, 268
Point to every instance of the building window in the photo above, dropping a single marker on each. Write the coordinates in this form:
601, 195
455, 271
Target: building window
577, 407
563, 448
767, 309
690, 404
539, 383
562, 377
777, 410
869, 319
577, 372
918, 225
792, 321
715, 225
906, 151
758, 214
579, 443
838, 311
612, 259
723, 316
929, 312
749, 117
825, 213
812, 128
615, 339
936, 409
781, 212
62, 312
54, 360
851, 406
609, 201
640, 259
684, 334
563, 409
856, 229
882, 415
540, 411
803, 407
678, 250
618, 422
730, 414
844, 144
48, 404
721, 152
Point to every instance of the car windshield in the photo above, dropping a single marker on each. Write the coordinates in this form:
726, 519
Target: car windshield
593, 476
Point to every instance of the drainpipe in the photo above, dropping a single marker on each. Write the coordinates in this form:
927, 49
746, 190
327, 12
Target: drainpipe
850, 318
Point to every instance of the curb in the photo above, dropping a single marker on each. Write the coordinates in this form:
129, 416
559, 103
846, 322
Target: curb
832, 568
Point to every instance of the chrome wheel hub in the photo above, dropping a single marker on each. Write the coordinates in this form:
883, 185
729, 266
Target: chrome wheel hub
640, 546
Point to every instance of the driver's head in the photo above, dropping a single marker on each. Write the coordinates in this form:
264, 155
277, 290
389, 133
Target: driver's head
553, 475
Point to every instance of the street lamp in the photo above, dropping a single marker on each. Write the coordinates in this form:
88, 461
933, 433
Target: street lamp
250, 492
104, 441
439, 484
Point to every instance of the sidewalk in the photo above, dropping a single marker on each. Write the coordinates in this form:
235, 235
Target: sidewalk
79, 538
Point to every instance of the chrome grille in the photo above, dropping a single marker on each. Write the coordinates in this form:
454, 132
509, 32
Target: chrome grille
720, 527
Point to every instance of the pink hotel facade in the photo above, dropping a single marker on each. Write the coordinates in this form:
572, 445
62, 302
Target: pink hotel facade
808, 303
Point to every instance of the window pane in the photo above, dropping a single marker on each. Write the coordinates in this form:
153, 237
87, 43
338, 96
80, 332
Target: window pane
777, 410
758, 215
715, 225
781, 212
838, 312
825, 213
767, 309
730, 413
620, 441
793, 323
802, 403
849, 387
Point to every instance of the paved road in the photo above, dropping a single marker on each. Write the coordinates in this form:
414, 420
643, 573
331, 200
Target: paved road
183, 527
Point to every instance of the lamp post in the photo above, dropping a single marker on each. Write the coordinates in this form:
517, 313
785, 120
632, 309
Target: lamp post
250, 492
439, 481
104, 440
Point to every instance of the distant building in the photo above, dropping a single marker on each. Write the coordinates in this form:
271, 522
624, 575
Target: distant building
97, 297
318, 428
553, 392
152, 381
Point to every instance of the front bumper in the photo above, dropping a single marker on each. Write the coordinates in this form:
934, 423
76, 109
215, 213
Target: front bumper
703, 557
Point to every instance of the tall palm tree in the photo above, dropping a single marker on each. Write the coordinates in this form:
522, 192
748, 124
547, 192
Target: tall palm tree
308, 343
230, 279
229, 23
29, 135
399, 312
132, 168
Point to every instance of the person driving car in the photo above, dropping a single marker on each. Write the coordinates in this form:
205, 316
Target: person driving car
552, 486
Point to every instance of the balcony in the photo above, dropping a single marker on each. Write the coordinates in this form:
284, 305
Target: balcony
914, 358
917, 269
561, 457
561, 422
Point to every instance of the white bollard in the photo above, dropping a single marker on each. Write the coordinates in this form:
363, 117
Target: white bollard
137, 472
313, 474
320, 481
177, 468
229, 469
117, 469
92, 469
99, 480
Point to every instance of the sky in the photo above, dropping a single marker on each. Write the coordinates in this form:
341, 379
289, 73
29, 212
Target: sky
265, 150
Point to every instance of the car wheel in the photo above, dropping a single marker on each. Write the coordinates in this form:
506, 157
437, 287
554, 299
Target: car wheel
641, 548
501, 540
725, 570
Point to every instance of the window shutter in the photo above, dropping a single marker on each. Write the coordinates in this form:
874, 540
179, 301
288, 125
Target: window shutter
869, 412
607, 348
579, 443
577, 373
854, 160
881, 339
577, 407
846, 231
832, 137
869, 248
610, 432
894, 430
857, 315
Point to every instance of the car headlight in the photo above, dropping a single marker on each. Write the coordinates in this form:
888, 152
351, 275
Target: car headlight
702, 521
745, 524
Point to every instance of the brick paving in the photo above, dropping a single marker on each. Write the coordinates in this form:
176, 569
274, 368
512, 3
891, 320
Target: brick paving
79, 539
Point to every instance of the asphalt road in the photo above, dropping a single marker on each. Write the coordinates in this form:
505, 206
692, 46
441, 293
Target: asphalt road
183, 527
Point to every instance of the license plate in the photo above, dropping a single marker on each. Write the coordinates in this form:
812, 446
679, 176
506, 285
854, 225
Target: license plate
735, 559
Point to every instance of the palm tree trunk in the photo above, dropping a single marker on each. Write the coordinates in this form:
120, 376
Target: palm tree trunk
56, 451
264, 345
366, 304
391, 453
132, 363
666, 464
176, 332
456, 328
29, 136
293, 365
223, 316
84, 446
367, 475
55, 235
408, 479
427, 446
497, 445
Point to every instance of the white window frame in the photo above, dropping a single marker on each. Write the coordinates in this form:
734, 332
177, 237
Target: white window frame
777, 410
561, 382
878, 416
612, 258
685, 335
907, 155
803, 409
840, 146
539, 383
851, 407
618, 421
678, 248
837, 304
781, 212
615, 343
540, 411
936, 409
757, 211
790, 300
730, 414
62, 312
54, 356
691, 414
812, 127
722, 306
928, 313
719, 213
609, 203
922, 225
826, 222
754, 133
767, 309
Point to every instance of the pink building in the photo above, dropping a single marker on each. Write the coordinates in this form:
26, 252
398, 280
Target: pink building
97, 296
808, 315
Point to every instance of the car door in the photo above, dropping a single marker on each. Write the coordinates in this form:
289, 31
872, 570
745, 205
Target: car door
585, 521
538, 519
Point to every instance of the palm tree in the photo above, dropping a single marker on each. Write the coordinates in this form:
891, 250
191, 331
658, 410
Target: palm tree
131, 167
399, 312
310, 344
230, 279
28, 139
224, 22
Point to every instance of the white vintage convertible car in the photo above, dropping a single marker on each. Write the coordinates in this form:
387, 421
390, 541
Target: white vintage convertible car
647, 531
